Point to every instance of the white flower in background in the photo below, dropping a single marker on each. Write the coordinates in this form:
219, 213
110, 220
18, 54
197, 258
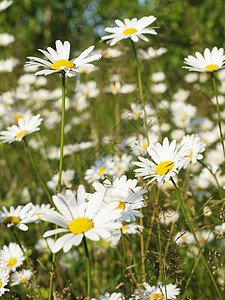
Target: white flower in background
109, 52
4, 277
195, 145
158, 76
79, 218
191, 77
18, 217
159, 88
207, 212
66, 179
125, 191
182, 113
6, 39
117, 88
12, 255
8, 65
87, 69
183, 237
136, 111
214, 157
151, 53
87, 90
181, 94
45, 245
40, 210
168, 216
5, 4
158, 292
204, 236
210, 62
221, 100
27, 79
201, 124
51, 118
99, 169
58, 60
166, 161
21, 277
107, 296
177, 134
220, 229
221, 74
133, 29
25, 127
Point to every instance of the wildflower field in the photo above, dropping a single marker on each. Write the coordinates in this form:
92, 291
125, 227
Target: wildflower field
112, 175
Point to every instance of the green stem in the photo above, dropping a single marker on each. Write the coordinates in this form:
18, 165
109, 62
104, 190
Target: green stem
88, 265
124, 262
117, 124
192, 272
196, 240
52, 273
14, 234
141, 90
36, 171
218, 114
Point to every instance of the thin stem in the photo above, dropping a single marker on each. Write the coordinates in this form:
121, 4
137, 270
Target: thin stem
196, 240
52, 273
142, 249
88, 266
140, 89
14, 234
36, 172
117, 124
124, 262
218, 113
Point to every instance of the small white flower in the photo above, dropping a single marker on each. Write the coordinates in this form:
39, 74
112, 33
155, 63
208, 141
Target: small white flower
45, 245
151, 53
4, 277
158, 292
12, 255
168, 216
21, 277
66, 179
6, 39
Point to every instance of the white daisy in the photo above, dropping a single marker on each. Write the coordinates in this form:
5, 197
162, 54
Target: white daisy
26, 126
133, 29
18, 216
204, 236
21, 277
125, 191
116, 88
159, 291
44, 245
210, 62
5, 4
12, 255
151, 53
183, 237
58, 60
40, 210
78, 218
66, 178
4, 277
168, 216
6, 39
107, 296
166, 161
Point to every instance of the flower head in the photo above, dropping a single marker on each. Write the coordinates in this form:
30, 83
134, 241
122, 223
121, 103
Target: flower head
78, 218
26, 126
159, 291
209, 62
58, 60
133, 29
21, 277
12, 255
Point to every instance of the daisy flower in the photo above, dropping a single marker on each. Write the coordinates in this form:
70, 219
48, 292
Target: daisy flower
125, 191
4, 277
58, 60
133, 29
66, 179
113, 296
159, 291
183, 237
12, 255
26, 126
45, 245
151, 53
18, 216
40, 210
78, 218
168, 216
209, 62
165, 163
21, 277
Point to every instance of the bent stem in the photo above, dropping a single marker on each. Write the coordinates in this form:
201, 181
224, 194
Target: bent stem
36, 172
124, 261
195, 238
141, 90
14, 234
52, 273
88, 266
218, 114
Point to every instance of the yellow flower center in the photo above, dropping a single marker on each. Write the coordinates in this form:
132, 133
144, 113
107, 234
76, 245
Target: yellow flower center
137, 113
86, 94
191, 154
183, 238
23, 279
84, 70
156, 296
164, 167
202, 240
80, 225
123, 228
11, 262
21, 133
121, 205
40, 99
114, 90
17, 117
129, 31
11, 220
62, 63
211, 67
7, 104
145, 145
0, 284
46, 248
101, 170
